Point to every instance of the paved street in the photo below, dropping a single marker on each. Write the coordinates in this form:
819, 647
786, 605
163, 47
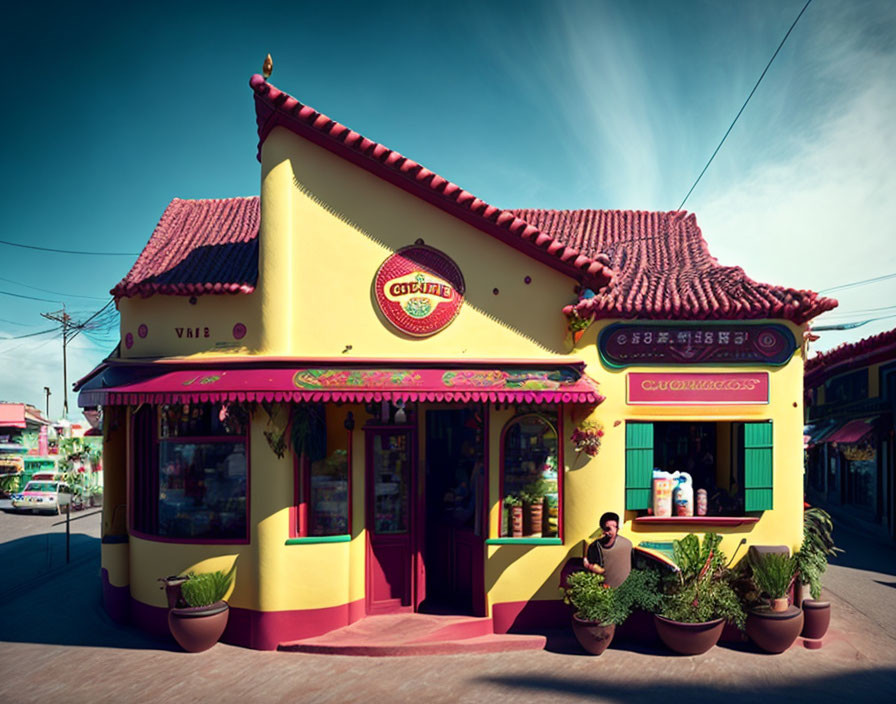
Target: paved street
864, 576
57, 643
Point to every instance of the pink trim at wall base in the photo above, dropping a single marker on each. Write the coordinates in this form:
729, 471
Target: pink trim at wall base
522, 616
115, 599
261, 630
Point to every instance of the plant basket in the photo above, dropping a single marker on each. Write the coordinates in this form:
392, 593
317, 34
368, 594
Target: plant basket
594, 637
198, 628
536, 517
516, 522
688, 638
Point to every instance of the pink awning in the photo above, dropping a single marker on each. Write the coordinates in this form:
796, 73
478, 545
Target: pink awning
12, 415
567, 384
854, 431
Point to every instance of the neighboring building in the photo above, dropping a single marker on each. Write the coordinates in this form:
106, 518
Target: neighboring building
21, 428
336, 386
850, 404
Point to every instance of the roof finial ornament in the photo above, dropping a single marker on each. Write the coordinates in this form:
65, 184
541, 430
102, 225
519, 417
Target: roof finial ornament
268, 67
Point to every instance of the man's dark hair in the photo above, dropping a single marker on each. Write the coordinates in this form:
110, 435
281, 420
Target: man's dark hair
609, 516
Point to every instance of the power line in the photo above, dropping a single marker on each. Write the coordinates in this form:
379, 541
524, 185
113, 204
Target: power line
850, 326
731, 126
35, 288
13, 322
858, 283
69, 251
30, 298
31, 334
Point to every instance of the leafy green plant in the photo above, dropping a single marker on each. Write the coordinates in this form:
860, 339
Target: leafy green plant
702, 590
773, 573
641, 590
818, 532
593, 600
534, 492
207, 588
9, 483
810, 565
512, 501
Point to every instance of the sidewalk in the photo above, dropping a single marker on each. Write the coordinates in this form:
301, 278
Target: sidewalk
41, 628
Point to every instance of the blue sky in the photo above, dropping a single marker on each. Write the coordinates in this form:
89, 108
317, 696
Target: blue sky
110, 110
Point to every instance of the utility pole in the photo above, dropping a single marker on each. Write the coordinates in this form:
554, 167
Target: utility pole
47, 391
64, 319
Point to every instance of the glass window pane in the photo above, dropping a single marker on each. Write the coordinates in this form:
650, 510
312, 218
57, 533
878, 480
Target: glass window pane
391, 463
202, 490
329, 495
530, 475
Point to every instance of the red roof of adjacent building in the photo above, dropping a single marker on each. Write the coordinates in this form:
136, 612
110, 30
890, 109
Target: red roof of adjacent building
663, 269
850, 355
199, 246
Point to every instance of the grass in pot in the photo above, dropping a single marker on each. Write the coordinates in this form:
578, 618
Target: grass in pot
775, 627
199, 626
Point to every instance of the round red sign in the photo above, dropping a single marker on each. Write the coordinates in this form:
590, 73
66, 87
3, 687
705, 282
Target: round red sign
419, 289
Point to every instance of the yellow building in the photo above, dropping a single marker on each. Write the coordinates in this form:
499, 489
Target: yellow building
343, 387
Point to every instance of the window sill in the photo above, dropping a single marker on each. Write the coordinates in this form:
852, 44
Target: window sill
524, 541
312, 539
696, 520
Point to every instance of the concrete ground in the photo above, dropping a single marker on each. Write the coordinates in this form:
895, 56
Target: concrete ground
57, 642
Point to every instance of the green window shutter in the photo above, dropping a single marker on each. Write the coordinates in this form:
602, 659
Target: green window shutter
638, 465
758, 466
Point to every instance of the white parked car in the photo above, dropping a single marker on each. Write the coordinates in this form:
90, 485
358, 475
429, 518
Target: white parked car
43, 495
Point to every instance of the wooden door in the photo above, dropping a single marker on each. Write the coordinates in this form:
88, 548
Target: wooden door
390, 464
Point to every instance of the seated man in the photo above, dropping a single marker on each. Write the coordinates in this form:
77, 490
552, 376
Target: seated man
611, 554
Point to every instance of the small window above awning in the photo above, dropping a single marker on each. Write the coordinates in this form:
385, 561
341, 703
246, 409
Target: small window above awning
566, 384
853, 431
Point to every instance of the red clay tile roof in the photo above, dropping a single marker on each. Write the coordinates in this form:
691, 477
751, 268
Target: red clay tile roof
851, 355
663, 269
273, 108
199, 246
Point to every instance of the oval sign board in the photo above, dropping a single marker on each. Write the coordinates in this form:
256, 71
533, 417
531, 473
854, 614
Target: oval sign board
419, 289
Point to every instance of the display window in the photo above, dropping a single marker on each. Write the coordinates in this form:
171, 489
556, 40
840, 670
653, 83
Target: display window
531, 483
322, 446
687, 469
191, 472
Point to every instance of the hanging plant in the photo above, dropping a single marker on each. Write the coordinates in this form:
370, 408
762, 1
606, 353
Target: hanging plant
276, 435
309, 431
576, 324
586, 437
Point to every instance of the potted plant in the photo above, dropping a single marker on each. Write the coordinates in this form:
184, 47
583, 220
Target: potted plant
698, 599
599, 608
533, 495
514, 506
198, 626
811, 563
775, 626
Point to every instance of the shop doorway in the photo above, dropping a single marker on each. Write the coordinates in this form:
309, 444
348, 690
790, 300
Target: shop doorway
452, 541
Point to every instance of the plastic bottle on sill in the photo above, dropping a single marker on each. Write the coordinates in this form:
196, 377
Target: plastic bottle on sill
683, 496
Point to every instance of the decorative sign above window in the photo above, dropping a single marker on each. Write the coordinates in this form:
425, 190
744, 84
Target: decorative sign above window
419, 290
723, 389
629, 344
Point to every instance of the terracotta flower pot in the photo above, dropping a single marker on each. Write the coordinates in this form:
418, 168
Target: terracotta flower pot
688, 638
198, 628
536, 518
816, 618
773, 631
779, 605
593, 637
516, 521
